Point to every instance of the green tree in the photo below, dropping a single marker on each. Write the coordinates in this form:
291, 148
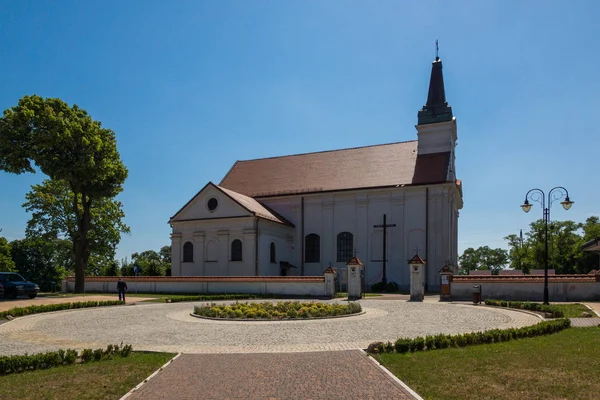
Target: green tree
52, 216
483, 258
6, 262
150, 263
41, 260
565, 241
67, 145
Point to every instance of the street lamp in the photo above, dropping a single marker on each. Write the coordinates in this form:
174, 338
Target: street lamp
539, 196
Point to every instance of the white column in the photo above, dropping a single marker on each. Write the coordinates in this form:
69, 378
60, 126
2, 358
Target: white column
223, 255
198, 254
176, 254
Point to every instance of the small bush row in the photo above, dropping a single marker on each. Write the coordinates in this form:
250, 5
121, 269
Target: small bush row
280, 310
21, 311
21, 363
441, 341
552, 311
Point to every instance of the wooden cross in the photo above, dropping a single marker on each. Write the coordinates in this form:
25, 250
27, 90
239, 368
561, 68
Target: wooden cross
385, 225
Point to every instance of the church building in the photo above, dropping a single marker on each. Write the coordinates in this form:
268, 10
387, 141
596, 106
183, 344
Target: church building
300, 214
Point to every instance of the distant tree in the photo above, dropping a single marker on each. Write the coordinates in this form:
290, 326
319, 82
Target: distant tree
41, 260
67, 145
6, 262
151, 263
565, 242
483, 258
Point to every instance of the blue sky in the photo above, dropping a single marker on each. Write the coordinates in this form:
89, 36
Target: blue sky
191, 86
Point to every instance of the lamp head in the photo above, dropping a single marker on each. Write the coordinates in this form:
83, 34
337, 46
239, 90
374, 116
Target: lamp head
567, 203
526, 206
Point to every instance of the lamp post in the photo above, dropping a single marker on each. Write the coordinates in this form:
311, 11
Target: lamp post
537, 195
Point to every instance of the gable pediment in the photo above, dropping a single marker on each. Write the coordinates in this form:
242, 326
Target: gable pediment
211, 203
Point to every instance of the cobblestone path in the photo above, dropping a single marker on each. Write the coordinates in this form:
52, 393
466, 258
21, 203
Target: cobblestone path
169, 327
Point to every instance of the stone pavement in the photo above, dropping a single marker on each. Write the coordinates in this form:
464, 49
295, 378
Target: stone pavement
584, 322
595, 307
318, 376
22, 302
171, 328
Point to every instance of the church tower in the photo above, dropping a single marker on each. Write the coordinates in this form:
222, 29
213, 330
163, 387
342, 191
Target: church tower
436, 128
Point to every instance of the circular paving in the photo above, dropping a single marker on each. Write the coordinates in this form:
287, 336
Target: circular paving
170, 327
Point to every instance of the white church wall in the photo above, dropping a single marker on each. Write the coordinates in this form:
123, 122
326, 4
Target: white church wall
283, 239
212, 240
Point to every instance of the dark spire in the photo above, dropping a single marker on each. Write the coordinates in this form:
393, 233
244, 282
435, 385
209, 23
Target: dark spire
437, 108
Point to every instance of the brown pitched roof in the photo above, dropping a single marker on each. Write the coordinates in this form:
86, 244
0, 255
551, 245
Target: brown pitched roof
362, 167
255, 207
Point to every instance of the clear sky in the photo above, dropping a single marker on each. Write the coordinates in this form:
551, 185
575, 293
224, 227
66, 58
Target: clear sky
190, 87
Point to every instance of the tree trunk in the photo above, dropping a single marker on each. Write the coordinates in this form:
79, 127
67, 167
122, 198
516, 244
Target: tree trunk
80, 241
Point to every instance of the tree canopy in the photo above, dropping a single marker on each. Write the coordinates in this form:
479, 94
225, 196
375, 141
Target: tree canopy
67, 145
52, 216
482, 258
565, 242
6, 262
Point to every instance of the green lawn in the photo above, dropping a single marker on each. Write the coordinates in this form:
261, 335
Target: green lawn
109, 379
573, 310
565, 365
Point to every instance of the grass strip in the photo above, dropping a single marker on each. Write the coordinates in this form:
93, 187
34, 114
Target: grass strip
554, 367
107, 379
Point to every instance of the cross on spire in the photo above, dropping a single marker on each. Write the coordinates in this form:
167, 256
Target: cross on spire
437, 50
417, 250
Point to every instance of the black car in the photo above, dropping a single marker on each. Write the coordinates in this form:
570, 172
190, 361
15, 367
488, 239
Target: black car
1, 290
15, 285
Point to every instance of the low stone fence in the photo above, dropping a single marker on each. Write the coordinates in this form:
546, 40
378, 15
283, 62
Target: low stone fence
271, 285
527, 287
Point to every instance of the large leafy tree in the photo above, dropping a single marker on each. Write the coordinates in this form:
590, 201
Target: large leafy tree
50, 205
67, 145
43, 261
565, 241
6, 261
483, 258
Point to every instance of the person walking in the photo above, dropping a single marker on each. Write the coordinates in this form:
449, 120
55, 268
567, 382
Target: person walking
121, 288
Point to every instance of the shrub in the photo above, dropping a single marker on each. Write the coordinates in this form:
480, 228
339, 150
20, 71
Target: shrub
419, 344
403, 345
551, 311
20, 363
35, 309
441, 341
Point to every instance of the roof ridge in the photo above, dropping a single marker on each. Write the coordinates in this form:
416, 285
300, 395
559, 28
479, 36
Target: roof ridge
320, 152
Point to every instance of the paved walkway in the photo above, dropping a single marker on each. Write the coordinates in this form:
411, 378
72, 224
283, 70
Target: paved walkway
595, 307
170, 328
584, 322
21, 302
318, 376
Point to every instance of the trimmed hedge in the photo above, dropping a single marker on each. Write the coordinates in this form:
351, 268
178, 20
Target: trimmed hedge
280, 310
441, 341
22, 363
21, 311
554, 312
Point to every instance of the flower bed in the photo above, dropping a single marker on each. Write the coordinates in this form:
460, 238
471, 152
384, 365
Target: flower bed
281, 310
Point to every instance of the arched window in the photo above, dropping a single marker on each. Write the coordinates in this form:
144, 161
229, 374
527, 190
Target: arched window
272, 252
345, 246
236, 250
312, 248
188, 252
